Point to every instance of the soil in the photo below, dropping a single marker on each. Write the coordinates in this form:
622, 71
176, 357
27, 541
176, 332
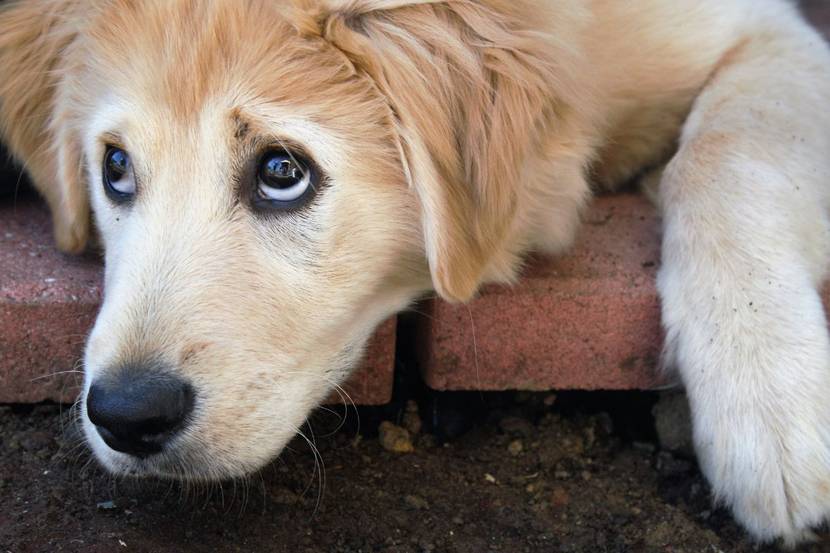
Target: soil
536, 473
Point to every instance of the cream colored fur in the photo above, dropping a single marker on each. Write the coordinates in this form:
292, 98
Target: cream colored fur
456, 136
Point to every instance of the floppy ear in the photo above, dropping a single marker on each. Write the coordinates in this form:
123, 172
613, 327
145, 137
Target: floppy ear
472, 85
34, 38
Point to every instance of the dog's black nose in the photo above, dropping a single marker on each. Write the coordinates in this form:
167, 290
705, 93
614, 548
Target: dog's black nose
136, 411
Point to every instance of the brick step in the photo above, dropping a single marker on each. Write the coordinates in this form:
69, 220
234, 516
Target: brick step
48, 303
587, 320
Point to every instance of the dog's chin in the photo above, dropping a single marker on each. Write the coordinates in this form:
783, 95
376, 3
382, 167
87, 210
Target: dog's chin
177, 461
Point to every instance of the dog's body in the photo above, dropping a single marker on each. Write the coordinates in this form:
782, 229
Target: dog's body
447, 139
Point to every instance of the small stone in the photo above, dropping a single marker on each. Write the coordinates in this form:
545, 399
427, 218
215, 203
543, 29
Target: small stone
549, 400
106, 505
283, 496
416, 502
660, 535
490, 478
561, 475
673, 421
604, 423
559, 498
515, 447
411, 418
394, 438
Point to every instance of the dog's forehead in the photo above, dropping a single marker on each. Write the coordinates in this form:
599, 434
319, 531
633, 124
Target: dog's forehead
183, 55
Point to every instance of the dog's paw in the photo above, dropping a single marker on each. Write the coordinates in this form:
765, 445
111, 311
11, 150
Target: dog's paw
754, 355
769, 462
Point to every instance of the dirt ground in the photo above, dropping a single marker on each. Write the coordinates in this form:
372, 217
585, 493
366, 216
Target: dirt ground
535, 473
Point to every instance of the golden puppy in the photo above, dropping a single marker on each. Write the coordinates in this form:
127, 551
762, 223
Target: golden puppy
270, 179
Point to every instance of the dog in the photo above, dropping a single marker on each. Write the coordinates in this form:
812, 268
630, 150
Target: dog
271, 179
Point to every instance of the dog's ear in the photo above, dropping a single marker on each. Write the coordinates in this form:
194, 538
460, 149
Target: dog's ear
472, 87
34, 38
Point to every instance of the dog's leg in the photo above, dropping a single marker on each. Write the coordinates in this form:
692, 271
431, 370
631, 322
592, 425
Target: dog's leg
745, 251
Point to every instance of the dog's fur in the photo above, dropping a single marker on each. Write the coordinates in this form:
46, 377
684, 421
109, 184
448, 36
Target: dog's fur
456, 136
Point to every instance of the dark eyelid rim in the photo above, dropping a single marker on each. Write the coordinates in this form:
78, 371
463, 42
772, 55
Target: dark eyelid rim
264, 207
117, 198
273, 143
112, 140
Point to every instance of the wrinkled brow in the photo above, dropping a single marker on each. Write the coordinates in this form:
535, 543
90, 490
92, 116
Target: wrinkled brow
241, 125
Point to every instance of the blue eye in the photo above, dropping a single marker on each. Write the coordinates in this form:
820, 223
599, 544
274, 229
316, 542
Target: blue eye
119, 181
284, 180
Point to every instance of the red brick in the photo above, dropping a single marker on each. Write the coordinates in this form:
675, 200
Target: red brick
48, 302
587, 320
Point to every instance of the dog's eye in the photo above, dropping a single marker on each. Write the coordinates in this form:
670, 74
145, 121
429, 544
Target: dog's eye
119, 181
284, 180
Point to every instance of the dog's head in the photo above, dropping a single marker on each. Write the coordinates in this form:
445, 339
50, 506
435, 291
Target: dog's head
269, 180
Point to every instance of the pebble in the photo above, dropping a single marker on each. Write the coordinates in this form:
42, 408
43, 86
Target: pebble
559, 497
416, 502
394, 438
411, 419
106, 505
660, 535
283, 496
673, 422
515, 447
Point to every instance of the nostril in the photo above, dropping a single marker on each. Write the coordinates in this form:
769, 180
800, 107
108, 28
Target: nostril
136, 411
